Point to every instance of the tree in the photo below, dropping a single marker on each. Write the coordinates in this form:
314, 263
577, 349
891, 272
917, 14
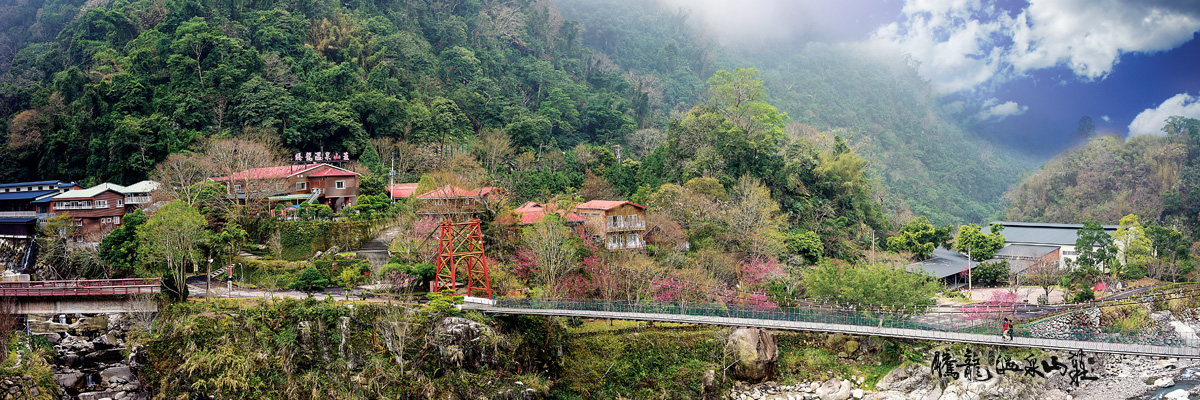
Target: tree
230, 156
979, 246
553, 249
492, 147
181, 176
918, 237
754, 220
170, 239
1134, 248
120, 247
310, 281
1086, 128
870, 284
1169, 250
1094, 248
1045, 275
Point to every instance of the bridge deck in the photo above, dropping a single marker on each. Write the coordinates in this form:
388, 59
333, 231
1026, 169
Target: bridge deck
1051, 344
96, 287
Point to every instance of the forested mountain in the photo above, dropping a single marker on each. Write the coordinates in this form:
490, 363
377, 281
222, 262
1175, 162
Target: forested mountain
1155, 177
924, 155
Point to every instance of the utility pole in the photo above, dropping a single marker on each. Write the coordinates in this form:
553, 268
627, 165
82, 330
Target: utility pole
392, 178
969, 273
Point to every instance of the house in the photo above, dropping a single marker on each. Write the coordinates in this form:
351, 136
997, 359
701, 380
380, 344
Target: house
95, 210
532, 213
31, 199
312, 183
1048, 242
402, 190
138, 195
619, 224
460, 205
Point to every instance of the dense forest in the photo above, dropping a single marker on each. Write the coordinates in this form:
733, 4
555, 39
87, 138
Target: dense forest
920, 148
1154, 177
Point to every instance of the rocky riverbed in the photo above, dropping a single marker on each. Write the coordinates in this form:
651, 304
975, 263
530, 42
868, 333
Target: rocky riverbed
92, 360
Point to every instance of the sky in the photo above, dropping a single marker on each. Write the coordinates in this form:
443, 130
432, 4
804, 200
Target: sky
1028, 70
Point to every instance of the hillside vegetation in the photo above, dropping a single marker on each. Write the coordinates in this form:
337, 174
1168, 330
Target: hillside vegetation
920, 149
1155, 177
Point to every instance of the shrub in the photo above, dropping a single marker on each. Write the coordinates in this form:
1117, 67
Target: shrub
1083, 296
310, 281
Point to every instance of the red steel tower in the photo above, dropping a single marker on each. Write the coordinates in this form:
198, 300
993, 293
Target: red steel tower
460, 250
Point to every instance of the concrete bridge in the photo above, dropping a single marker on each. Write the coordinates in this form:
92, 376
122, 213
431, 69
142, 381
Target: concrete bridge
98, 296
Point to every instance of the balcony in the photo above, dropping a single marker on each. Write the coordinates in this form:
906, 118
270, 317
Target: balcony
18, 214
64, 206
625, 244
627, 225
137, 199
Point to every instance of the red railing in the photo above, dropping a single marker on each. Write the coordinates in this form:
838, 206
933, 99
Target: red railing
97, 287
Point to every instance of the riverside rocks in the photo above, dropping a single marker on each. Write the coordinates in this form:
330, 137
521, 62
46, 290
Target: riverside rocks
90, 361
19, 388
754, 352
463, 343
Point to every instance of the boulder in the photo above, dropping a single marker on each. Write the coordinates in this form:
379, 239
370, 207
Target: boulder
97, 395
754, 352
47, 327
1176, 394
118, 375
105, 341
91, 324
1163, 382
906, 379
69, 379
463, 343
103, 356
53, 338
834, 389
850, 347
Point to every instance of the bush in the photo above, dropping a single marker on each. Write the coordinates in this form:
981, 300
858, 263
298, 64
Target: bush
1084, 295
310, 281
871, 284
991, 273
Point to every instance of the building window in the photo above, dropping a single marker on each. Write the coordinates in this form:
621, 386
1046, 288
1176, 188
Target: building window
116, 220
101, 203
120, 202
301, 185
339, 185
1068, 253
79, 222
106, 220
237, 188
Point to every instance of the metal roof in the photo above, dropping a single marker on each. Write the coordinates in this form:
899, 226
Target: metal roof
1042, 234
17, 220
942, 263
23, 184
28, 196
91, 192
1025, 250
142, 187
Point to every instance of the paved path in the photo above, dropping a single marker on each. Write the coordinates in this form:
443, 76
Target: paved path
376, 251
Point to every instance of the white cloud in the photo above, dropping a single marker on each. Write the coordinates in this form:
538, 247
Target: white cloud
1002, 110
1152, 120
963, 44
1105, 118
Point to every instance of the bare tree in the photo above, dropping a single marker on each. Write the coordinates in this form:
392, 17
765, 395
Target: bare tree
181, 176
1045, 274
493, 146
233, 156
8, 322
554, 260
143, 309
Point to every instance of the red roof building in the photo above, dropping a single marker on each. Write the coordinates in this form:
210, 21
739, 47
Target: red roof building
620, 224
532, 213
458, 204
402, 190
313, 183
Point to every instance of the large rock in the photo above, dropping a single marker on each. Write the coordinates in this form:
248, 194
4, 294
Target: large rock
754, 352
69, 379
91, 324
834, 389
103, 356
36, 326
463, 343
119, 375
906, 379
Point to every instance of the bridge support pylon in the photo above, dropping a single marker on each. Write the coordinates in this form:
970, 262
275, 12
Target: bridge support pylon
460, 252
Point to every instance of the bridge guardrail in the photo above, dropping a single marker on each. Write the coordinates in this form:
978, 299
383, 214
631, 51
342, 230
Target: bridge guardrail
94, 287
831, 315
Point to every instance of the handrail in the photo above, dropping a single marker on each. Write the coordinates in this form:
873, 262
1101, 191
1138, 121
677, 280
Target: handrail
868, 319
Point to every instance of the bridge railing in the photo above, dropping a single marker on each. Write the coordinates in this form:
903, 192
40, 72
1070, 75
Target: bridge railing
95, 287
950, 322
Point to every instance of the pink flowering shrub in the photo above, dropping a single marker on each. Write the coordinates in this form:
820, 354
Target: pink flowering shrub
524, 263
760, 269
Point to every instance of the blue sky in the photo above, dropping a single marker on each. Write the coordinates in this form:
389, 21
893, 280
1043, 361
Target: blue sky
1027, 69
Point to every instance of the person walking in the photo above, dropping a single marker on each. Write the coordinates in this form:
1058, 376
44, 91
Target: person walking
1006, 332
